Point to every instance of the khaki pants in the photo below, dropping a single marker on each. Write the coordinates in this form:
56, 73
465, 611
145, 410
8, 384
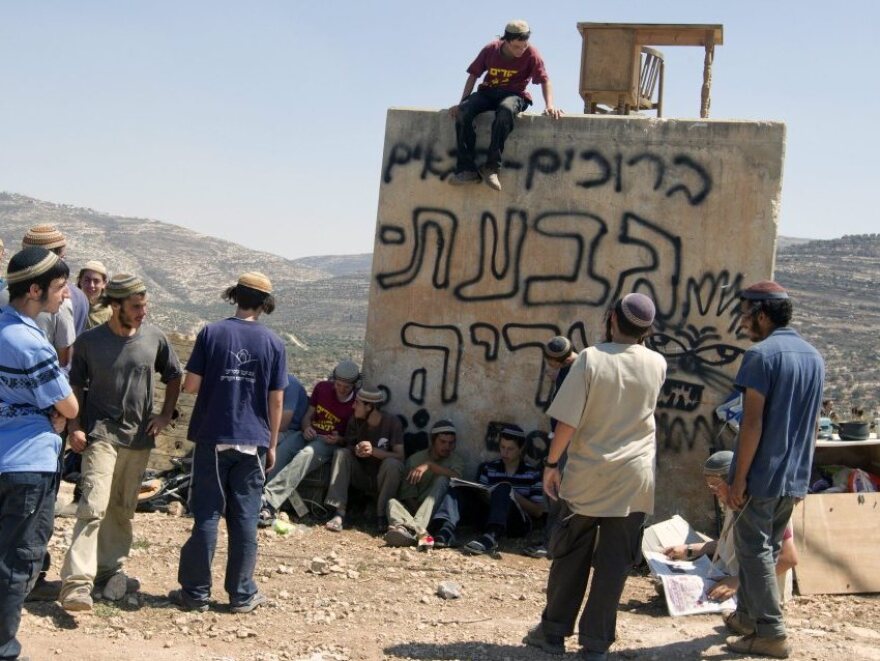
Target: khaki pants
399, 514
102, 536
349, 470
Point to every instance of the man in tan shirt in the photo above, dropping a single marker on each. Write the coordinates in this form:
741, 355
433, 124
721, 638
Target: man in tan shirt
605, 419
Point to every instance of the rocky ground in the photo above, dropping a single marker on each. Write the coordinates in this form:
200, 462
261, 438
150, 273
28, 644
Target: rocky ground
363, 600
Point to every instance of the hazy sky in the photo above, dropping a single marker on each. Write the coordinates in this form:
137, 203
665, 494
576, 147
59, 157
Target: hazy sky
263, 122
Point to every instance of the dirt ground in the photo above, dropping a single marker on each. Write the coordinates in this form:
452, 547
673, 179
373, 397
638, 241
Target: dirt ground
377, 602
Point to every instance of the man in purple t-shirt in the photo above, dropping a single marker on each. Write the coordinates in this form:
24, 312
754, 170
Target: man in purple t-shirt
509, 63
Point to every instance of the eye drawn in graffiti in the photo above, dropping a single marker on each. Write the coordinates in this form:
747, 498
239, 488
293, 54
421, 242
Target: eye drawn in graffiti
444, 338
660, 272
487, 336
524, 336
581, 285
498, 274
706, 181
425, 221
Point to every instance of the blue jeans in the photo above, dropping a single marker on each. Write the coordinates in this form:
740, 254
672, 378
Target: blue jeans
506, 106
289, 445
27, 514
227, 484
757, 539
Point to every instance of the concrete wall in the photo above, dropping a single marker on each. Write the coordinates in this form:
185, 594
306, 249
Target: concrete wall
467, 282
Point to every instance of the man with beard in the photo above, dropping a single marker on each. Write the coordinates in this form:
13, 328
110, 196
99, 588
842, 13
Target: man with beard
115, 362
781, 379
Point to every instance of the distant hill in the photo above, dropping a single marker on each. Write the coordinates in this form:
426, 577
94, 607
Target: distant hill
322, 300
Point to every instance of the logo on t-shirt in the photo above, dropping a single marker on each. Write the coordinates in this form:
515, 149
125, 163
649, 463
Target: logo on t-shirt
240, 358
498, 76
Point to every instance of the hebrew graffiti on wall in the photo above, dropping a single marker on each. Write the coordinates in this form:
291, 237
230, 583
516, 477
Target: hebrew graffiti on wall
469, 284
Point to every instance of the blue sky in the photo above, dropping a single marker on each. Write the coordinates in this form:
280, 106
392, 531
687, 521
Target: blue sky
263, 122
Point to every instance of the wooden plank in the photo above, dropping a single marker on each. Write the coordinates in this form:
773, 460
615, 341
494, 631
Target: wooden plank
665, 34
837, 537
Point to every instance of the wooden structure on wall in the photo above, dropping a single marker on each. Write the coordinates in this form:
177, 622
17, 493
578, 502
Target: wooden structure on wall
611, 61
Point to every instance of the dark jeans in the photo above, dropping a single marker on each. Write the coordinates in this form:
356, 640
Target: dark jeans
27, 514
576, 550
506, 106
471, 505
227, 484
757, 539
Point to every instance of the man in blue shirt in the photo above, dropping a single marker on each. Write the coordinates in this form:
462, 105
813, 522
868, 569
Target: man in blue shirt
238, 368
35, 400
781, 378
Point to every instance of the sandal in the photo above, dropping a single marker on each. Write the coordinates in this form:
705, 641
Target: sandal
482, 545
444, 539
334, 524
399, 536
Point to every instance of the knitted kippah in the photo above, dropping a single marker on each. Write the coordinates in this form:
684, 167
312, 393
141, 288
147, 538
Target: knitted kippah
442, 427
30, 263
346, 370
513, 431
638, 309
370, 395
255, 280
718, 463
558, 347
764, 290
94, 265
123, 285
45, 236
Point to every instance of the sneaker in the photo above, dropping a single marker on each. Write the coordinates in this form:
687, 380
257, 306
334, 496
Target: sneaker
425, 543
78, 599
537, 551
444, 538
399, 536
117, 586
258, 599
44, 590
465, 177
181, 599
490, 178
736, 624
482, 545
545, 641
755, 645
267, 515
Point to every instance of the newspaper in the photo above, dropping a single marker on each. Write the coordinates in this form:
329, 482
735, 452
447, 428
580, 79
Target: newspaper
686, 584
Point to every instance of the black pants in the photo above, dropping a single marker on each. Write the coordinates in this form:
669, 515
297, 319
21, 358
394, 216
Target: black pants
27, 514
498, 511
506, 106
577, 546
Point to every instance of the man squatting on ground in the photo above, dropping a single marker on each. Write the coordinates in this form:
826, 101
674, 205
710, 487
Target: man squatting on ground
115, 362
426, 483
605, 414
238, 368
331, 405
781, 378
509, 63
721, 551
35, 400
370, 459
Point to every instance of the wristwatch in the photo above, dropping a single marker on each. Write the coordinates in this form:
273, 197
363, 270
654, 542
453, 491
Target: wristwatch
550, 464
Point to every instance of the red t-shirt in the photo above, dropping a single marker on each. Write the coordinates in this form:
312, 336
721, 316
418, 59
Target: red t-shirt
330, 413
509, 73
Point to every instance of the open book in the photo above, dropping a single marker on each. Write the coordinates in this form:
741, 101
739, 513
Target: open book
488, 488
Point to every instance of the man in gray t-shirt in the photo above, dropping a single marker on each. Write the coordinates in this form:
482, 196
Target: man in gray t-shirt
117, 362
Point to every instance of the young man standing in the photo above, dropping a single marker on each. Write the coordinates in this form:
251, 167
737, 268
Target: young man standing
115, 362
92, 280
238, 367
35, 398
509, 64
370, 459
781, 378
605, 420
